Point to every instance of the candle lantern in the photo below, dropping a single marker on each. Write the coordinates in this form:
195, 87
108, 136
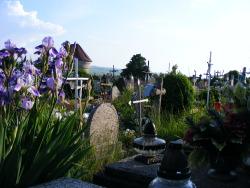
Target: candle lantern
174, 170
217, 105
149, 146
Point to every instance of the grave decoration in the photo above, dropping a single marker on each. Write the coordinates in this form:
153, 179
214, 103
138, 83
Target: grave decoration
225, 136
174, 169
149, 146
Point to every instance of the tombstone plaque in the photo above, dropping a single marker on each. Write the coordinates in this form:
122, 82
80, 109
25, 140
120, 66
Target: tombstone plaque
103, 126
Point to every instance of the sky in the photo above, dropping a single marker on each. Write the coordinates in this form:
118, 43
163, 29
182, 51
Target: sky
165, 32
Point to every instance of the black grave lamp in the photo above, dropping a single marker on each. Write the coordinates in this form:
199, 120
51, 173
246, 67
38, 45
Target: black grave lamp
174, 170
149, 146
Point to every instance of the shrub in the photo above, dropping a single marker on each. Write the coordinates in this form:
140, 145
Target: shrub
213, 95
127, 112
180, 94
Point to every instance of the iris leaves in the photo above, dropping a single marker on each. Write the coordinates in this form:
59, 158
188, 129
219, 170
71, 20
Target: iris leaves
44, 148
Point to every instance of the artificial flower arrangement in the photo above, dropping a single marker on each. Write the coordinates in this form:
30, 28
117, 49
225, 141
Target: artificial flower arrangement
35, 145
228, 130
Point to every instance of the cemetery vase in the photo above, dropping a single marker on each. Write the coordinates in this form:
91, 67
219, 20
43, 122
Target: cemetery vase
224, 163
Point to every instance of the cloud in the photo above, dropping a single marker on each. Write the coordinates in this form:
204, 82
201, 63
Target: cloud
24, 27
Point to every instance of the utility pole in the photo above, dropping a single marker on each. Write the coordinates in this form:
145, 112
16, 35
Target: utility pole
209, 77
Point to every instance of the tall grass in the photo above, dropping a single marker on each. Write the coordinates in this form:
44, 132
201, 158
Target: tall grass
96, 162
172, 127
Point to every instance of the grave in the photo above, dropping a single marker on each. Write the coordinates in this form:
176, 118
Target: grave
134, 174
115, 93
66, 182
103, 126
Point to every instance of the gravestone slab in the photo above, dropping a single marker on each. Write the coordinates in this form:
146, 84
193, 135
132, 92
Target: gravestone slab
66, 182
134, 174
104, 125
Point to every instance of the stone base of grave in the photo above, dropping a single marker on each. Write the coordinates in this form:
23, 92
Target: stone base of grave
126, 173
66, 182
134, 174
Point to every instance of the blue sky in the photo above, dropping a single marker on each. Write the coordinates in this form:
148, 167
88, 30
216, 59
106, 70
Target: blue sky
181, 32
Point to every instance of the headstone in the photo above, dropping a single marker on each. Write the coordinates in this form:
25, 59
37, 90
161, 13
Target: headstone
115, 93
103, 126
97, 85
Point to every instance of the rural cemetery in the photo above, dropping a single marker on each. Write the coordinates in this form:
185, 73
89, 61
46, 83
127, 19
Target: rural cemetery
61, 126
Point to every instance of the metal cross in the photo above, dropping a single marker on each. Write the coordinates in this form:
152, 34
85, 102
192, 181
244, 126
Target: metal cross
138, 101
76, 79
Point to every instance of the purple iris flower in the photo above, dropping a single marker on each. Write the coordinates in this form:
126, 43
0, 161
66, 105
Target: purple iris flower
4, 53
33, 91
17, 87
62, 94
48, 42
27, 105
59, 63
29, 68
37, 61
51, 82
9, 45
62, 52
54, 51
66, 43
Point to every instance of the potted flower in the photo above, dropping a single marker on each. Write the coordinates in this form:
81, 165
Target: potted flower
222, 137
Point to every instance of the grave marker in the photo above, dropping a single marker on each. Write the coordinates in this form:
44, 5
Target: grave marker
103, 126
136, 99
115, 93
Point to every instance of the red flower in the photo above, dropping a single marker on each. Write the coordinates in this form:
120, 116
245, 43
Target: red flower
188, 137
234, 126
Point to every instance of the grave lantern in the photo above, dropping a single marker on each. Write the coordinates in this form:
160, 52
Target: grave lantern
174, 170
149, 146
217, 105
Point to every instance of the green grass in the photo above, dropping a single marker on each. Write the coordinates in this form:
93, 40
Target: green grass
95, 162
172, 127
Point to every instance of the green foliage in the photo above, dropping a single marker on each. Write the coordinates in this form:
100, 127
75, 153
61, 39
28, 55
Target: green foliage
213, 95
127, 112
180, 94
213, 80
82, 73
96, 164
43, 149
168, 126
120, 84
236, 75
136, 67
127, 137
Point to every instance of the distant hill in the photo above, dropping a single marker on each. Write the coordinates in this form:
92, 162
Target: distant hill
95, 70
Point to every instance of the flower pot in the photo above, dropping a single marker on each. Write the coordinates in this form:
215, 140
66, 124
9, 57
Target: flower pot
223, 164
